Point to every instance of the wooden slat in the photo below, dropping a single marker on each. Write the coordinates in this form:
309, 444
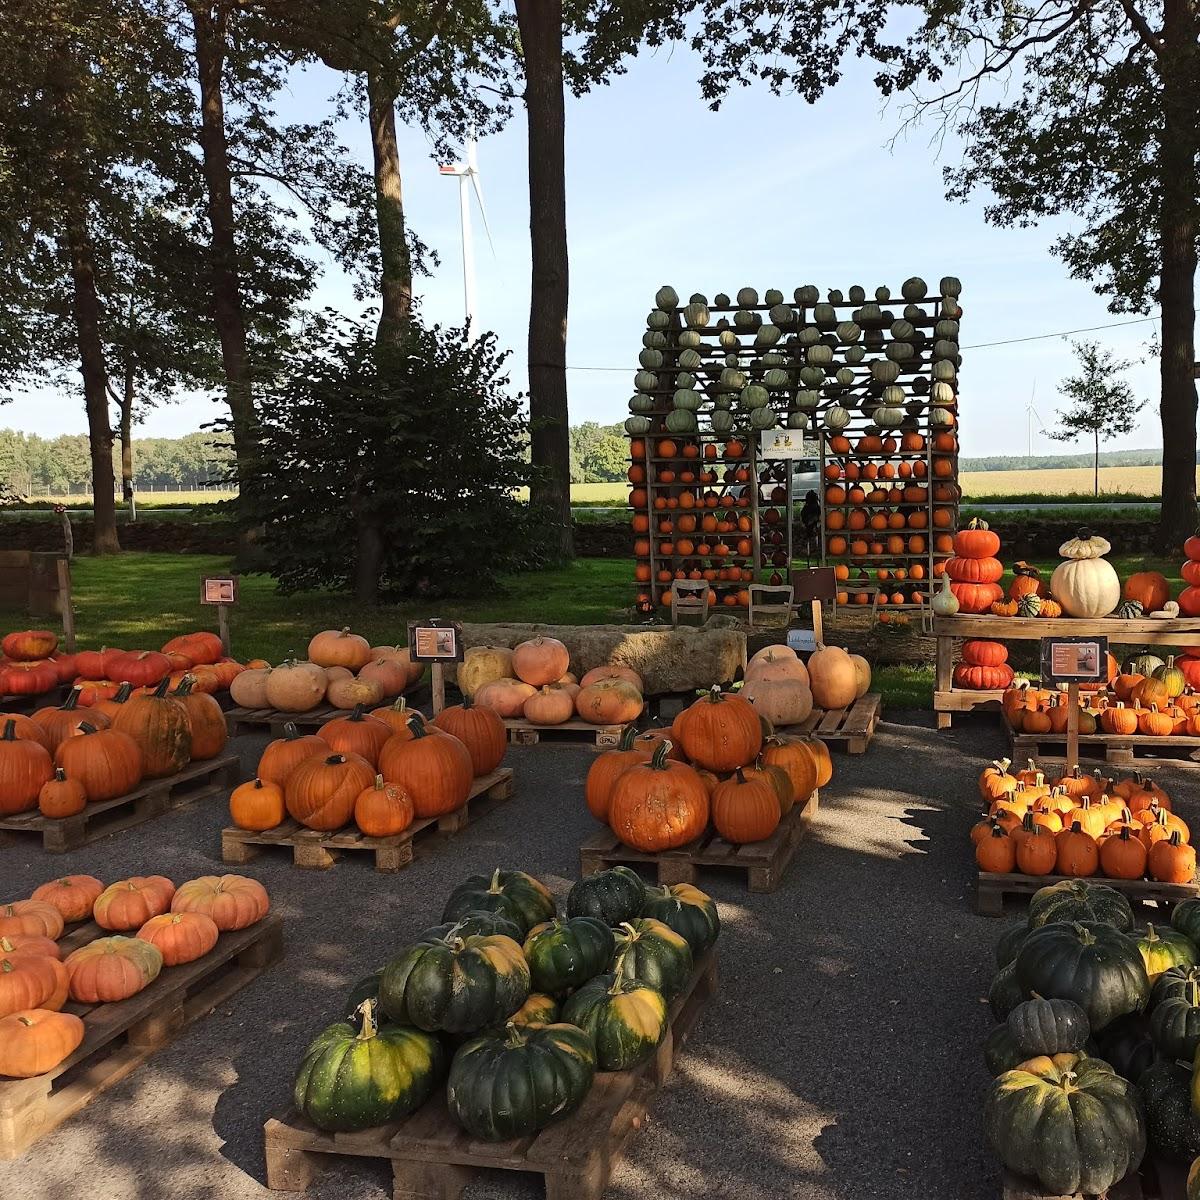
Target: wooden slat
992, 887
1181, 631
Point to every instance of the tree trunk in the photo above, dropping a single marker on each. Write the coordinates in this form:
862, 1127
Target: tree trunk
209, 22
395, 282
541, 23
126, 411
1177, 233
369, 560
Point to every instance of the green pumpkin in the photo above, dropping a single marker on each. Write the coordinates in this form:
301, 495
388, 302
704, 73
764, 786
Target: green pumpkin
1172, 676
512, 1084
1185, 917
479, 923
565, 954
611, 896
1173, 983
686, 910
355, 1075
1005, 992
1163, 948
1077, 900
1070, 1123
626, 1020
651, 953
1000, 1052
1128, 610
1009, 943
520, 897
1172, 1128
1095, 964
456, 984
538, 1009
364, 989
1175, 1024
1126, 1046
679, 420
1048, 1027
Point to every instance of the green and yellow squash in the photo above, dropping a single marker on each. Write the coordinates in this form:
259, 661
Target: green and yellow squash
1163, 948
651, 953
626, 1020
687, 910
563, 955
1077, 900
523, 899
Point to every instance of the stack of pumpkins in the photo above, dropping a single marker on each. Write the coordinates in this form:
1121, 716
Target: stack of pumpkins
983, 665
342, 670
784, 691
533, 682
510, 1006
974, 571
152, 925
1079, 825
718, 761
65, 757
379, 769
1099, 1026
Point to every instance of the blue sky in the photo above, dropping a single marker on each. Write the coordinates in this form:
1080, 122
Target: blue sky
767, 192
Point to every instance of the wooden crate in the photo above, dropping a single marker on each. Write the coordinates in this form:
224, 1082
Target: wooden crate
1123, 751
850, 729
765, 863
315, 850
197, 781
991, 888
120, 1037
595, 737
255, 720
432, 1156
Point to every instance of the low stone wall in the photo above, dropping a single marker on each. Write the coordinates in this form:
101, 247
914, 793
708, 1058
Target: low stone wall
176, 537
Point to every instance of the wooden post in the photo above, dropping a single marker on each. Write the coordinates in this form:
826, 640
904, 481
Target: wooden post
437, 683
223, 626
818, 616
1072, 726
944, 673
66, 604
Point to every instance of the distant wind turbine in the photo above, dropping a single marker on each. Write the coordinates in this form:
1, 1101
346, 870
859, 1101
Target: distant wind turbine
468, 178
1030, 414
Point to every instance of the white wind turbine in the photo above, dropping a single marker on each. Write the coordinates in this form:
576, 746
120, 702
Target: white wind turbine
468, 178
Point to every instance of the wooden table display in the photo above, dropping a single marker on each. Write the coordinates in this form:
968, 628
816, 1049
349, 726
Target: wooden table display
1143, 631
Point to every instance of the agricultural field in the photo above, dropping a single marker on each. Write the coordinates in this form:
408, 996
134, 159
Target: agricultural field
1132, 481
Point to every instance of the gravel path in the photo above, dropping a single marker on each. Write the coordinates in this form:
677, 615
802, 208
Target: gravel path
839, 1059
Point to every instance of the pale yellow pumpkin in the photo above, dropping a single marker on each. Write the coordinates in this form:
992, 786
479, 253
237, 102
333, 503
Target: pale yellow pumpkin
779, 651
296, 686
347, 693
248, 689
862, 671
781, 701
609, 702
483, 665
550, 705
832, 677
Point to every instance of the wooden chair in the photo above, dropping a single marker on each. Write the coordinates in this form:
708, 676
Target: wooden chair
761, 602
689, 597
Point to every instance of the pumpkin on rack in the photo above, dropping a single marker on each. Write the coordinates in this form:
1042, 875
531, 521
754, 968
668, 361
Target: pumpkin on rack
975, 570
1085, 584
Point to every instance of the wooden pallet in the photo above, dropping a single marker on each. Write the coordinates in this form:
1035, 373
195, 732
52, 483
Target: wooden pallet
1124, 751
197, 781
1158, 1179
120, 1037
315, 850
962, 700
432, 1157
30, 704
254, 720
991, 888
850, 729
597, 737
765, 863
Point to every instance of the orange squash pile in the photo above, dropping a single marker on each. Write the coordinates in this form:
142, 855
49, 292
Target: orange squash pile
717, 763
1079, 825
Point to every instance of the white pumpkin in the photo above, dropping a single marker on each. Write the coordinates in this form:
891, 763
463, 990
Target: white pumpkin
1086, 585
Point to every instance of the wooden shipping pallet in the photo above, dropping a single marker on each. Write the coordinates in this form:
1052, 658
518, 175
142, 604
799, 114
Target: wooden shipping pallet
596, 737
30, 704
120, 1037
1124, 751
850, 729
1158, 1179
197, 781
254, 720
432, 1157
315, 850
765, 863
991, 888
961, 700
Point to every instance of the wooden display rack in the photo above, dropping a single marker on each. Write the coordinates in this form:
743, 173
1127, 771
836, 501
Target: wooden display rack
315, 850
595, 737
948, 699
765, 862
119, 1037
432, 1156
197, 781
991, 888
1123, 751
850, 729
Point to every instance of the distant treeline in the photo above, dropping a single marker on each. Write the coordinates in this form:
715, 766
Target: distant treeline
1042, 462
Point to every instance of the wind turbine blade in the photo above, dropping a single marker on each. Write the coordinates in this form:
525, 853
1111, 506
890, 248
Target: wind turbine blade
482, 211
472, 161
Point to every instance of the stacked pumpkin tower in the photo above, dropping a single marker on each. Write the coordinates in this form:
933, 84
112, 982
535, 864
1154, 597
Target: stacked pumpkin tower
868, 391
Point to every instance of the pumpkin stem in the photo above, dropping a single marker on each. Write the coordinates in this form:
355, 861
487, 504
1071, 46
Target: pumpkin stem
123, 693
618, 971
628, 734
72, 700
60, 775
257, 782
86, 727
515, 1037
366, 1015
25, 1021
160, 692
496, 887
740, 775
379, 783
417, 724
290, 731
357, 714
658, 761
335, 760
10, 731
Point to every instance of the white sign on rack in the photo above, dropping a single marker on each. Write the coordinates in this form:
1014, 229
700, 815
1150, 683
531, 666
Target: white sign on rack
787, 443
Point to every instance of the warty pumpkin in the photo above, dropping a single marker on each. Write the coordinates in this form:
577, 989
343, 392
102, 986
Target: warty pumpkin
383, 809
61, 797
482, 665
658, 805
720, 731
159, 724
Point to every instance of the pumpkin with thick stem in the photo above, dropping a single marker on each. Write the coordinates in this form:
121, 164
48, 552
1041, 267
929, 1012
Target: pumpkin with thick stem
480, 730
61, 797
112, 968
660, 804
795, 759
520, 897
565, 954
1175, 1020
383, 809
285, 754
626, 1020
180, 937
745, 810
652, 953
432, 767
159, 724
206, 721
721, 732
1171, 860
611, 896
64, 721
607, 768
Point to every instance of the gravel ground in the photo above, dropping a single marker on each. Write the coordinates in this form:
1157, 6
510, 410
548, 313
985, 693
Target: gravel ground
839, 1058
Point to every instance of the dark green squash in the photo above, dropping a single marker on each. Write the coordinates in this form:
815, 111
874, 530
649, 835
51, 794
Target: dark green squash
565, 954
455, 984
511, 1084
1078, 900
1126, 1045
1164, 949
364, 989
610, 896
1185, 917
1005, 992
688, 911
1172, 984
520, 897
649, 952
1095, 964
1009, 943
479, 923
1171, 1127
1000, 1052
626, 1020
357, 1075
1048, 1027
1071, 1124
1175, 1025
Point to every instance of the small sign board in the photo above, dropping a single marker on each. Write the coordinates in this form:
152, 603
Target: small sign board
218, 589
779, 444
813, 583
1074, 660
435, 641
803, 641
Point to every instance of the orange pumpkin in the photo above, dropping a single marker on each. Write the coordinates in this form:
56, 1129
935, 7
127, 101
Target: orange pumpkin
540, 660
72, 895
130, 903
257, 805
383, 810
339, 648
720, 732
35, 1040
479, 729
745, 809
231, 901
30, 916
206, 721
29, 981
432, 767
359, 733
659, 804
320, 793
180, 937
1149, 588
159, 724
25, 765
285, 754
